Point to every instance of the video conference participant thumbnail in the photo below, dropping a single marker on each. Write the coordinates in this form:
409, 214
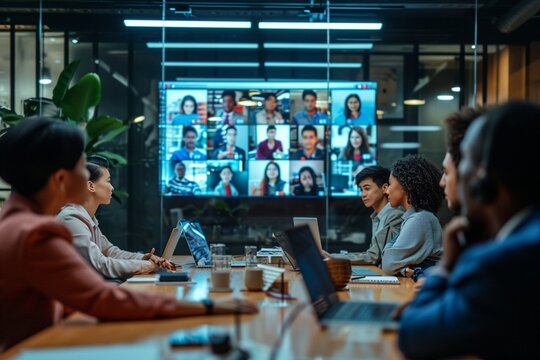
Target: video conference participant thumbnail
236, 140
274, 110
355, 107
268, 178
228, 112
189, 179
272, 141
310, 145
226, 179
353, 143
192, 145
307, 178
186, 107
310, 112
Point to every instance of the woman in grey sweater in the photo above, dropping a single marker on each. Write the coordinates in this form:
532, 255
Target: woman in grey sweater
414, 185
108, 260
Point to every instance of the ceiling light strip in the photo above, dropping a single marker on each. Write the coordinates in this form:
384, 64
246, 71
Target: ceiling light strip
318, 26
193, 45
244, 64
188, 24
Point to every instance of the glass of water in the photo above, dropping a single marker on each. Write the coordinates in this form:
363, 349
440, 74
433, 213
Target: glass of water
251, 255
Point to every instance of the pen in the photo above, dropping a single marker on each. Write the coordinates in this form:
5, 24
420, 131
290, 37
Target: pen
357, 277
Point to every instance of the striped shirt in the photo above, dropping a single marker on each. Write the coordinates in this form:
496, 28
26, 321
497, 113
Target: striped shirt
183, 186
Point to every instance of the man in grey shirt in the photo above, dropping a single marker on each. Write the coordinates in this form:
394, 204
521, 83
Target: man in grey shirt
386, 220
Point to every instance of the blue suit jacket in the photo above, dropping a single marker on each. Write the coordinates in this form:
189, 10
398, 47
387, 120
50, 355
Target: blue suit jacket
486, 308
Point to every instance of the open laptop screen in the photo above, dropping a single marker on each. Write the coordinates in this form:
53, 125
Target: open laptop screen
197, 243
316, 277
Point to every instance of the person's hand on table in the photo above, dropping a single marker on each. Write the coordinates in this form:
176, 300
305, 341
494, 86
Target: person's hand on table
159, 261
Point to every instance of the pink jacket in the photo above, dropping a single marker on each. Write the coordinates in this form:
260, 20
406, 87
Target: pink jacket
40, 271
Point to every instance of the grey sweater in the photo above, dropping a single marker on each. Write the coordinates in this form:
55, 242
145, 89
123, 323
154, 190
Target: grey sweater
108, 260
419, 243
385, 226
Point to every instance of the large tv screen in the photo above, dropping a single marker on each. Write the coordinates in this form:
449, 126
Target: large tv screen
266, 139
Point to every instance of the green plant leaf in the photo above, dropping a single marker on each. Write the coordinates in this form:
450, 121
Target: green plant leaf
114, 159
62, 85
102, 124
81, 100
93, 143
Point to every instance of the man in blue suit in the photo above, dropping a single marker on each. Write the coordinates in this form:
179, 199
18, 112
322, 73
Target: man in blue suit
480, 300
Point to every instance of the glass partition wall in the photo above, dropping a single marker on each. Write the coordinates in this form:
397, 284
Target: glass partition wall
181, 79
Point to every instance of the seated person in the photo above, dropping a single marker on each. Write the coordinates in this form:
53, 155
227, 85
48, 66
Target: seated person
269, 115
108, 260
310, 115
308, 183
179, 185
188, 150
229, 150
41, 272
271, 185
267, 148
357, 148
386, 220
225, 187
414, 186
188, 112
309, 149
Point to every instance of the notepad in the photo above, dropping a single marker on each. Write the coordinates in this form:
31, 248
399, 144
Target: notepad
376, 280
142, 279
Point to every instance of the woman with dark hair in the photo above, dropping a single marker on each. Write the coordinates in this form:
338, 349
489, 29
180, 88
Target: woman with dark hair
269, 115
271, 184
414, 185
353, 109
188, 112
40, 271
108, 260
357, 148
308, 183
225, 186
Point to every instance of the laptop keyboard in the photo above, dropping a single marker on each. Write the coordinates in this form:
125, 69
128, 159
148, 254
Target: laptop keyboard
366, 311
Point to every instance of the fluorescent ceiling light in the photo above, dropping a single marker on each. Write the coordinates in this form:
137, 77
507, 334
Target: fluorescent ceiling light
351, 46
194, 45
210, 64
456, 88
415, 128
445, 97
414, 102
189, 24
319, 26
343, 65
45, 81
400, 145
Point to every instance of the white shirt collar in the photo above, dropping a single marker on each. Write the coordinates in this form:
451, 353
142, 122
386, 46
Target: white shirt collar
511, 225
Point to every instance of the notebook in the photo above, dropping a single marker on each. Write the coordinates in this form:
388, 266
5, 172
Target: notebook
376, 280
322, 292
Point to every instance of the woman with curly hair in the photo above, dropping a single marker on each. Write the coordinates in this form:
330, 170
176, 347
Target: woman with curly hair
414, 185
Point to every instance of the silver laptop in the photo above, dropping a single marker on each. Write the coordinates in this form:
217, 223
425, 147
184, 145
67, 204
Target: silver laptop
198, 245
313, 226
324, 298
171, 244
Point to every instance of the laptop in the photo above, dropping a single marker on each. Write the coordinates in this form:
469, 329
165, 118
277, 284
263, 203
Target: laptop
281, 239
314, 227
171, 244
324, 298
198, 245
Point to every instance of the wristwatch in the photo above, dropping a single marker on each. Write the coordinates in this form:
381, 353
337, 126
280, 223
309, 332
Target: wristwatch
209, 304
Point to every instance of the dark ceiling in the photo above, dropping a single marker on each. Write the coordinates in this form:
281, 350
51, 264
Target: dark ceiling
424, 21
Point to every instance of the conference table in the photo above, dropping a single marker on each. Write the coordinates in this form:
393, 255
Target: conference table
258, 333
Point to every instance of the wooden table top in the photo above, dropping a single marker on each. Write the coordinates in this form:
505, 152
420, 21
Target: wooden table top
259, 332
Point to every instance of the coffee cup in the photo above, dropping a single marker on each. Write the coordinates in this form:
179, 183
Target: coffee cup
221, 279
253, 279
